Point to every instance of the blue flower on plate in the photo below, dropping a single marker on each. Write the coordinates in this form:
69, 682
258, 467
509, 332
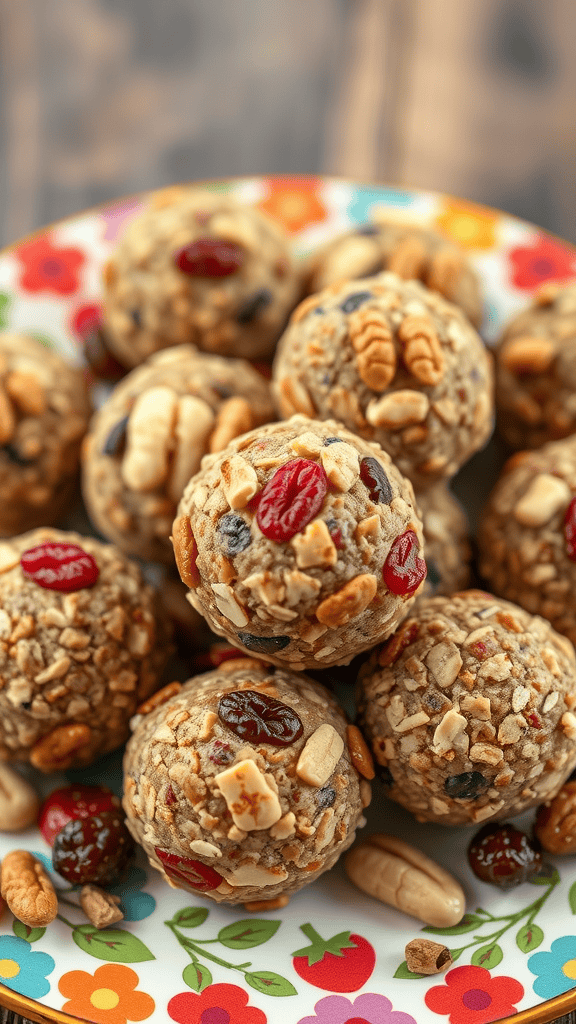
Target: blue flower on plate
556, 970
24, 969
365, 199
135, 905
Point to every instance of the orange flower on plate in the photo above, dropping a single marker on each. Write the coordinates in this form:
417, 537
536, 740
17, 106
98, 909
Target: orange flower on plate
108, 996
294, 202
471, 226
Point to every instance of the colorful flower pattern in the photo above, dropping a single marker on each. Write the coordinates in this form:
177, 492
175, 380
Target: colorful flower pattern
117, 216
295, 202
109, 996
471, 995
473, 227
46, 267
556, 970
24, 969
369, 1008
365, 200
544, 259
217, 1004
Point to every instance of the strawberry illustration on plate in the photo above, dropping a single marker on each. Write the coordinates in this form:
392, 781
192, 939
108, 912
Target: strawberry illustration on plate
340, 964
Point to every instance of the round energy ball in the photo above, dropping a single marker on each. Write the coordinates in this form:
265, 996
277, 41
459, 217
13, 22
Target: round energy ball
82, 644
469, 709
44, 412
395, 363
412, 251
301, 543
527, 533
245, 785
149, 438
446, 544
198, 267
535, 366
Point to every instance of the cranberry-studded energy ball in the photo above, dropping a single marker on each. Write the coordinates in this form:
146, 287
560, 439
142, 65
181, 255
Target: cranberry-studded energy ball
535, 363
527, 533
395, 363
446, 543
81, 645
44, 412
149, 438
198, 267
246, 784
300, 542
412, 251
469, 709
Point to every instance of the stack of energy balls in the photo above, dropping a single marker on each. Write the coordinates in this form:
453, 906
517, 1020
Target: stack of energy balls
308, 513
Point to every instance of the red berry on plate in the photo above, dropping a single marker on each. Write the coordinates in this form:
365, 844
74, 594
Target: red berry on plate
503, 855
291, 499
403, 570
60, 566
193, 872
210, 257
70, 803
94, 849
340, 964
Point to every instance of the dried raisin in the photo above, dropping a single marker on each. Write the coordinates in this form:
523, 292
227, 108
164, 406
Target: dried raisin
234, 533
93, 849
116, 439
375, 479
254, 306
355, 300
263, 644
466, 786
291, 499
503, 855
257, 718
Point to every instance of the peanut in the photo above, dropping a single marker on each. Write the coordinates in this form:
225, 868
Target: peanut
555, 825
234, 418
149, 439
320, 755
101, 908
18, 801
57, 750
27, 889
423, 353
371, 339
348, 602
403, 877
194, 422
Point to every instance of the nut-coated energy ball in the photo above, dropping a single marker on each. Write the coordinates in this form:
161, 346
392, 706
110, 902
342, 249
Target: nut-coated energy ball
301, 543
469, 709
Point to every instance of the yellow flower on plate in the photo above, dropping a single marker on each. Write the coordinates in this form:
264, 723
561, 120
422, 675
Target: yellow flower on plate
473, 227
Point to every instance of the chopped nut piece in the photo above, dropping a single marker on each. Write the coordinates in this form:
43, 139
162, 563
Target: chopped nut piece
321, 753
101, 908
250, 800
314, 546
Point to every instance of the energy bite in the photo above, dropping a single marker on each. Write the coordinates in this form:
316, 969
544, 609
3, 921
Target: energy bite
81, 644
412, 251
446, 543
246, 784
198, 267
468, 709
149, 438
527, 533
535, 366
44, 412
395, 363
301, 543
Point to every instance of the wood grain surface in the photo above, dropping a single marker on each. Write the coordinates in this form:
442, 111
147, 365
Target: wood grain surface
101, 98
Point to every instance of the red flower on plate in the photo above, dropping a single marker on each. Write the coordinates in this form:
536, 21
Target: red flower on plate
217, 1004
295, 202
48, 268
472, 996
544, 260
86, 319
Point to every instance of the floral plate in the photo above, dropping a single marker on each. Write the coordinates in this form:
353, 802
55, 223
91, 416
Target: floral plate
181, 958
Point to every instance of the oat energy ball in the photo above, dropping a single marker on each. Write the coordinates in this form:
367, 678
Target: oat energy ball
198, 267
149, 438
446, 543
412, 251
246, 785
300, 542
535, 364
527, 533
468, 709
395, 363
82, 644
44, 411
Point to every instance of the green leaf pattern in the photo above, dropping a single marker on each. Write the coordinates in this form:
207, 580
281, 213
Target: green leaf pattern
112, 944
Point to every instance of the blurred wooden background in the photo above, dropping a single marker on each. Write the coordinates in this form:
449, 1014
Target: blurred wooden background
100, 98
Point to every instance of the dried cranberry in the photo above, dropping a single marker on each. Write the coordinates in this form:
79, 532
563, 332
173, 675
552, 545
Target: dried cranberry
210, 257
116, 439
291, 499
234, 533
221, 753
533, 719
56, 566
94, 849
375, 479
257, 718
403, 570
170, 797
335, 532
71, 803
570, 530
397, 643
263, 644
254, 306
192, 872
503, 855
353, 301
466, 786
